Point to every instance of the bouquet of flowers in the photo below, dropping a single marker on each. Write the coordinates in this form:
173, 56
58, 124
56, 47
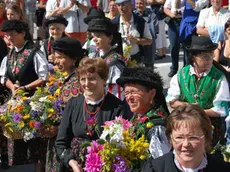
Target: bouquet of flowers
117, 149
31, 116
224, 150
126, 52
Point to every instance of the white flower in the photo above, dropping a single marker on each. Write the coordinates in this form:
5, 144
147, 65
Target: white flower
36, 106
44, 99
28, 136
228, 148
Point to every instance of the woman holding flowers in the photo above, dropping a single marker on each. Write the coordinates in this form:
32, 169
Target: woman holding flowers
56, 25
189, 130
25, 68
67, 53
143, 91
109, 47
84, 115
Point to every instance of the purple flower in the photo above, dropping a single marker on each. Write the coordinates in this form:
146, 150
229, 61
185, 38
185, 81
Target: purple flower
17, 118
120, 165
37, 125
34, 114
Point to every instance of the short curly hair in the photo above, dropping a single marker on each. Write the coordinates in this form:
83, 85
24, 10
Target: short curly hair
98, 65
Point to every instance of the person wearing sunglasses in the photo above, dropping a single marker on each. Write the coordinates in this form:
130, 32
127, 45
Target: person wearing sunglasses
189, 131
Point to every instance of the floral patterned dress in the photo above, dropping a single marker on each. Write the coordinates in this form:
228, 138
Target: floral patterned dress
71, 88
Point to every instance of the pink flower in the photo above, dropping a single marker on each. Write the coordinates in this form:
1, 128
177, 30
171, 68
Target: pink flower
125, 123
21, 60
26, 53
93, 160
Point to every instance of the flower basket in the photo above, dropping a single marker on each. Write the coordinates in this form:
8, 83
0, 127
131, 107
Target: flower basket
12, 135
48, 131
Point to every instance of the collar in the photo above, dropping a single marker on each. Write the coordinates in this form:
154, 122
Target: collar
192, 71
19, 49
202, 165
123, 22
221, 12
90, 102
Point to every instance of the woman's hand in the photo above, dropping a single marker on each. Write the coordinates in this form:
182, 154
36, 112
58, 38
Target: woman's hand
14, 88
75, 166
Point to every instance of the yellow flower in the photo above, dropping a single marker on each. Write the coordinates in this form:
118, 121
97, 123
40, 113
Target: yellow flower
21, 124
64, 74
149, 125
142, 157
24, 98
213, 127
8, 124
146, 145
57, 92
51, 110
26, 116
50, 97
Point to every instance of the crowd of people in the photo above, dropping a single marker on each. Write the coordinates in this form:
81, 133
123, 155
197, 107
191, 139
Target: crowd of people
107, 49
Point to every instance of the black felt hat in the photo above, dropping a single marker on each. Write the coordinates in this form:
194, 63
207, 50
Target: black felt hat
93, 14
142, 76
56, 19
101, 25
70, 47
200, 43
8, 25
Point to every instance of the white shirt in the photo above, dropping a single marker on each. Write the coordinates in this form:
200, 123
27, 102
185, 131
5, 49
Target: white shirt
222, 93
170, 4
214, 23
40, 65
51, 5
75, 16
200, 4
123, 29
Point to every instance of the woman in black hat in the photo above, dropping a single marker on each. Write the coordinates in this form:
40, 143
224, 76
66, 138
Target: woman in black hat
143, 91
108, 44
202, 83
26, 68
56, 25
67, 54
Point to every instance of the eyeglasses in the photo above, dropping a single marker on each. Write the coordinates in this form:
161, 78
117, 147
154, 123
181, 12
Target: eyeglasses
90, 79
191, 139
132, 92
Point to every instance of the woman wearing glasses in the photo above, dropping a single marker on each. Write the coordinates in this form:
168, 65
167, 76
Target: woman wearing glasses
143, 91
202, 83
190, 132
84, 115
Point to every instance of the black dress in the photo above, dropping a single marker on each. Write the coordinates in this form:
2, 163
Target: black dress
73, 129
166, 164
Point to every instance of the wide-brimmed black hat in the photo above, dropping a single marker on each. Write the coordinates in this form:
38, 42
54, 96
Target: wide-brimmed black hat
142, 76
9, 25
101, 25
93, 14
56, 19
200, 43
70, 47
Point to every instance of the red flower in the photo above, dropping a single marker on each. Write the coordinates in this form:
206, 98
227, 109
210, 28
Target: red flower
66, 91
16, 70
160, 113
143, 119
26, 53
21, 60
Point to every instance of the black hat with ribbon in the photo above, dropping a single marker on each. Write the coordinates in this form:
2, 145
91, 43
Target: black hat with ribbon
142, 76
101, 25
93, 14
200, 43
56, 19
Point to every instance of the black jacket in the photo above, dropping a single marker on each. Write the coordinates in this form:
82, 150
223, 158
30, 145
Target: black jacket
166, 164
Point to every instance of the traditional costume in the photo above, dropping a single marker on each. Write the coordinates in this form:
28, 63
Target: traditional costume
113, 57
155, 116
209, 91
